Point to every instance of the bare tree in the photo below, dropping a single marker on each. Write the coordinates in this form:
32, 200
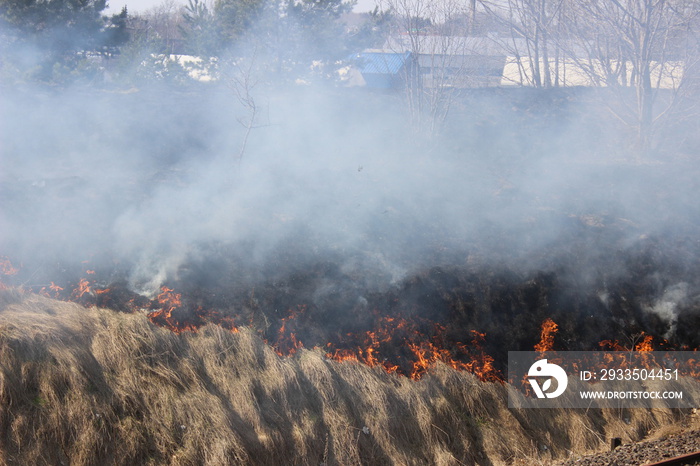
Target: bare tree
431, 31
534, 36
242, 79
637, 49
165, 23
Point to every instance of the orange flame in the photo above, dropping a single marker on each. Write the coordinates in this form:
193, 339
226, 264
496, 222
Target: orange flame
611, 345
405, 346
82, 288
6, 267
168, 299
368, 351
217, 318
425, 351
288, 344
549, 329
645, 344
53, 287
480, 364
164, 316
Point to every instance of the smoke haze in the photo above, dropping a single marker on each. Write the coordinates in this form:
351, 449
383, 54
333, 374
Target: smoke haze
146, 186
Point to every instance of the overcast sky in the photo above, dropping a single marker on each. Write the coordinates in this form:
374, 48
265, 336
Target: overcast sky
139, 6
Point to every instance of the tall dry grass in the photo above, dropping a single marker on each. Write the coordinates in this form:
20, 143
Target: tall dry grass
94, 387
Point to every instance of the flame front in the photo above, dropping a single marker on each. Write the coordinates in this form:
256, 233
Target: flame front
408, 345
396, 338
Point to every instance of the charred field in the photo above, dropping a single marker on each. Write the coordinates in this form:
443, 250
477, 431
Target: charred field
346, 292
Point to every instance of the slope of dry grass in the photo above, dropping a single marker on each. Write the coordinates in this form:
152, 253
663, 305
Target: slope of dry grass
92, 387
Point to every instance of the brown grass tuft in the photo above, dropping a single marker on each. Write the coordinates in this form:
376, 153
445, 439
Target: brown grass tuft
92, 387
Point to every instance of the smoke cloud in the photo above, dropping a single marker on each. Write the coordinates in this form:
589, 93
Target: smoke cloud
147, 183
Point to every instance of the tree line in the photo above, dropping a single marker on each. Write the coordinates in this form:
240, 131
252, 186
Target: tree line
645, 54
287, 33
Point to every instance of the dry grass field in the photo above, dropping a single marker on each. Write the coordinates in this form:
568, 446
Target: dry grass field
92, 386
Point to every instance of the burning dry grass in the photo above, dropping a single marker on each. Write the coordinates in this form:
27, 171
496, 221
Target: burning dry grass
91, 386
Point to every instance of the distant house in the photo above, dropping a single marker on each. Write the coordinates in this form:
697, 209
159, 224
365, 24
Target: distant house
438, 62
383, 69
453, 61
587, 72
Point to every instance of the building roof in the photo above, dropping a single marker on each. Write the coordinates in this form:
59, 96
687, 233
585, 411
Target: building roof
452, 45
381, 62
491, 45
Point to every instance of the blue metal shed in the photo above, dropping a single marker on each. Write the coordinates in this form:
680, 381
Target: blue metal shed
384, 70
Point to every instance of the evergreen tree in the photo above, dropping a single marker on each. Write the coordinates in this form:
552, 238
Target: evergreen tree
115, 32
288, 37
237, 17
56, 26
200, 31
318, 33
